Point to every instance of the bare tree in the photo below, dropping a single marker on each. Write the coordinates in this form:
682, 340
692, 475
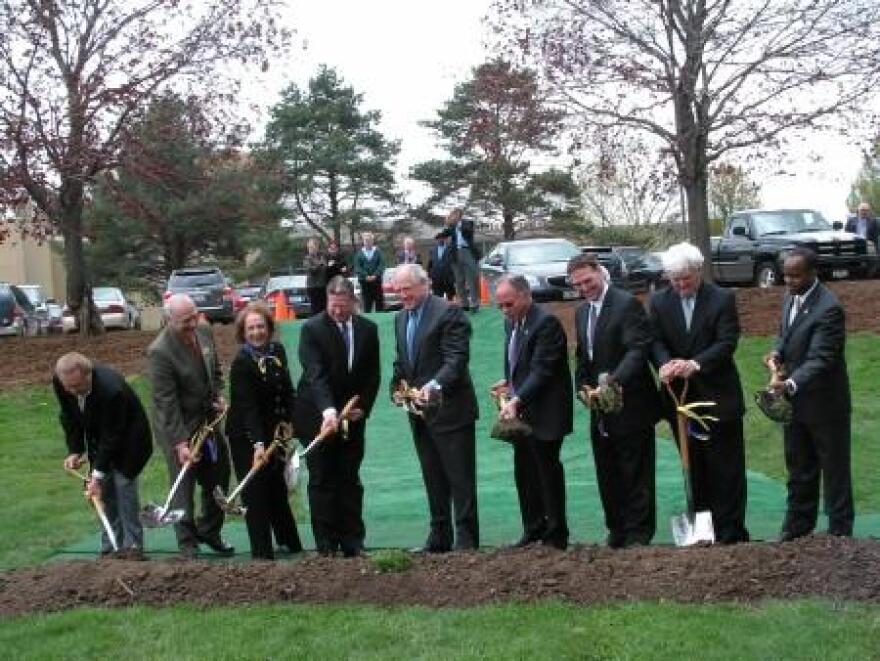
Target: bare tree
72, 74
627, 183
730, 189
707, 77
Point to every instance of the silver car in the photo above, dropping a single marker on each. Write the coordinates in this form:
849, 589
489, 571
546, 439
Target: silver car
542, 262
115, 309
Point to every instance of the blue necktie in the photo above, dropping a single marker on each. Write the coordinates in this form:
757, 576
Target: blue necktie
411, 324
346, 339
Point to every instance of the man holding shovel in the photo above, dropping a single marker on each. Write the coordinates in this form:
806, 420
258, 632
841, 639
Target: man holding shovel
696, 330
613, 338
103, 419
185, 373
339, 354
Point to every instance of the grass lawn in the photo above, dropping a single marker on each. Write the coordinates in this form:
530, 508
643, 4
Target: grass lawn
40, 512
801, 630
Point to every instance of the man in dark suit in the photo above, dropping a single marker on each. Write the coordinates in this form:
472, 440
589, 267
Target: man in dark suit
433, 351
465, 259
369, 266
865, 225
696, 330
440, 268
187, 391
537, 381
810, 352
339, 354
409, 254
103, 419
613, 338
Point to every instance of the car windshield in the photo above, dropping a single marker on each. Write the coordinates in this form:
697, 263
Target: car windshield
33, 293
205, 279
524, 254
106, 294
788, 222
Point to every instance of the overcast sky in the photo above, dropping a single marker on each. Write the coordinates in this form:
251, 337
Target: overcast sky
406, 56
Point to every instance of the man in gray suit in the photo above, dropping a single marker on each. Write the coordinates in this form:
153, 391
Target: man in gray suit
433, 351
809, 352
187, 391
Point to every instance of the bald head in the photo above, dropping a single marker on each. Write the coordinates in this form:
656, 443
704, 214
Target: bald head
183, 315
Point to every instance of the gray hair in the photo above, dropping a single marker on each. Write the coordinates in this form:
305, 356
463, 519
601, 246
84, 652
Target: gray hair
71, 361
412, 272
518, 283
682, 257
339, 284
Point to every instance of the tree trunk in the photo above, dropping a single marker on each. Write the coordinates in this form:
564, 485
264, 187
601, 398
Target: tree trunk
698, 220
333, 194
509, 229
79, 288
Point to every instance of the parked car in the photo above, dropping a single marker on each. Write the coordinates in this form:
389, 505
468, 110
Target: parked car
116, 311
646, 273
541, 261
249, 293
293, 288
756, 242
208, 289
49, 311
390, 293
18, 316
612, 261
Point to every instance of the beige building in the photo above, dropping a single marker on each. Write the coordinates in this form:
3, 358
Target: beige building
24, 260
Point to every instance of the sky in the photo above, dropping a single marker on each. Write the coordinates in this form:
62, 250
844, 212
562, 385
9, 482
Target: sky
406, 56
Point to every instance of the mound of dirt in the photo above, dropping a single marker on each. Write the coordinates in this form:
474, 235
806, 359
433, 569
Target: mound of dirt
818, 566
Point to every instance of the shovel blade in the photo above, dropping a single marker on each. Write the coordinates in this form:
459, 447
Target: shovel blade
156, 516
687, 531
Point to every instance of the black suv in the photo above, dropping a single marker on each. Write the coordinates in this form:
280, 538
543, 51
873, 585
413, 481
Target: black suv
17, 314
207, 287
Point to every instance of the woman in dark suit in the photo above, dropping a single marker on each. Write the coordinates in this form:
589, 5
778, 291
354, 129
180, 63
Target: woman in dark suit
262, 396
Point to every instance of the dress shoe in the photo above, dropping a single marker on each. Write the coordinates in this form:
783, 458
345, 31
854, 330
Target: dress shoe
791, 535
188, 552
219, 546
134, 554
431, 548
290, 549
525, 540
558, 544
615, 541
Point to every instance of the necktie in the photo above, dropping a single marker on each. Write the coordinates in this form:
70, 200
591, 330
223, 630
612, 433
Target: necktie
513, 348
688, 307
346, 339
591, 327
795, 308
411, 324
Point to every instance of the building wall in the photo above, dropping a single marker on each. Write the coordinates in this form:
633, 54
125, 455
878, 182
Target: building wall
23, 260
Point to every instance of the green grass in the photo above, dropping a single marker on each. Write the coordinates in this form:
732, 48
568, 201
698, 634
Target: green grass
391, 560
801, 630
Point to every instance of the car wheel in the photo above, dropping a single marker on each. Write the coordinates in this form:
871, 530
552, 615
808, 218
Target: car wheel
766, 275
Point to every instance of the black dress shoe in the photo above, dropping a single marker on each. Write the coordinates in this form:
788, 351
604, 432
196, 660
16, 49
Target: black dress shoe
558, 544
615, 541
431, 548
217, 545
791, 535
525, 540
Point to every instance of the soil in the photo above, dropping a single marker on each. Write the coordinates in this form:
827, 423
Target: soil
818, 566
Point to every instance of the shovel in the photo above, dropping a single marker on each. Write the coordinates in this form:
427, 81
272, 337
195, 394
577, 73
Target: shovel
98, 504
155, 516
283, 433
690, 527
296, 457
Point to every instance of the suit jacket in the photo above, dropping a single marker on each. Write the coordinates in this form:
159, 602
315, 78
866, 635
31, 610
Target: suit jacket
711, 342
401, 257
873, 233
112, 429
440, 267
183, 389
467, 233
622, 343
337, 264
541, 376
442, 353
364, 266
259, 397
812, 350
326, 380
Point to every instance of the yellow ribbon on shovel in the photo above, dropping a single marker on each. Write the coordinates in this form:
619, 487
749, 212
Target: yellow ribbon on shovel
688, 411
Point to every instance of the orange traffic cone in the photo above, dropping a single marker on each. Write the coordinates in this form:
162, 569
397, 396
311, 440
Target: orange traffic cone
485, 299
282, 312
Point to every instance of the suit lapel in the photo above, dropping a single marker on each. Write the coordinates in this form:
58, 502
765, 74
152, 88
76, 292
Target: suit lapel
698, 316
802, 314
602, 321
426, 321
527, 328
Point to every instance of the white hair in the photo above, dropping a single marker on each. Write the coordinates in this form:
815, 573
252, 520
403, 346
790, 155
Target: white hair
71, 361
682, 257
414, 273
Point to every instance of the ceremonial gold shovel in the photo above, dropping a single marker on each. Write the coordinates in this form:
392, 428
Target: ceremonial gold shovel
98, 504
690, 527
296, 457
